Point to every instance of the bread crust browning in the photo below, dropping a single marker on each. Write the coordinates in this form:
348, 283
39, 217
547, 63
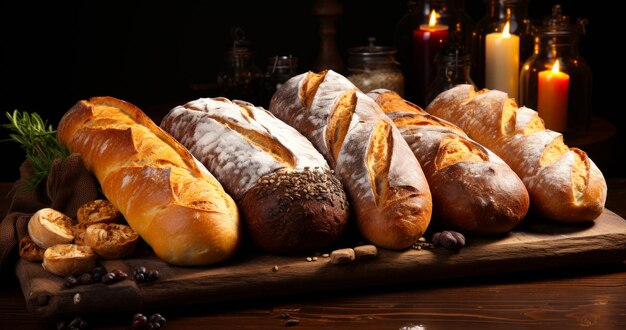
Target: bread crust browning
163, 192
69, 259
307, 102
291, 201
473, 190
563, 183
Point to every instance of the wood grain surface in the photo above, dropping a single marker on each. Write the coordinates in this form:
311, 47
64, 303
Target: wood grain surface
537, 245
579, 293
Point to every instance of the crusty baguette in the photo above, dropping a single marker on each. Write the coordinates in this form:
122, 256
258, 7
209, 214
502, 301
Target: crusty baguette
384, 181
563, 183
165, 194
473, 190
287, 193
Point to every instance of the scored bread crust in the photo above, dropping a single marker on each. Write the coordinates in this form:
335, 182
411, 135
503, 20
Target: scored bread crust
563, 183
163, 192
291, 201
473, 190
384, 181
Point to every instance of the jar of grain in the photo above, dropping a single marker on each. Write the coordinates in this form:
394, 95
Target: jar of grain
373, 67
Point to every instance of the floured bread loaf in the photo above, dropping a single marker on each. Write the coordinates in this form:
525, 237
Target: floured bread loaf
473, 190
289, 196
563, 183
384, 181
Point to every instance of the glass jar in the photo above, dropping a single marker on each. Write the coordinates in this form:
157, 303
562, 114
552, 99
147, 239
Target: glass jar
499, 12
240, 79
279, 69
372, 67
556, 80
454, 64
418, 44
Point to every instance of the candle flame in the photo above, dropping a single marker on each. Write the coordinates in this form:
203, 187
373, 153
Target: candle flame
556, 67
505, 30
433, 19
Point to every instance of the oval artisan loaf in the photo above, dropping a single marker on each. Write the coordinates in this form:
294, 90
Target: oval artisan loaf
474, 191
290, 199
384, 181
163, 192
563, 183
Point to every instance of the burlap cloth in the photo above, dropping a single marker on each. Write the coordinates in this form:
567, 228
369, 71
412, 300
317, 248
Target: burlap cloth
68, 186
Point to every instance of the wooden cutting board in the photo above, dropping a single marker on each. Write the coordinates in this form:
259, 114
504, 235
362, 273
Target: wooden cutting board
536, 245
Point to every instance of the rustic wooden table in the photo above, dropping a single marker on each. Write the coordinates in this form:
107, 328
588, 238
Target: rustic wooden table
581, 297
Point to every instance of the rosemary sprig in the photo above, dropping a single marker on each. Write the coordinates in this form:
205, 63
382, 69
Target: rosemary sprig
39, 142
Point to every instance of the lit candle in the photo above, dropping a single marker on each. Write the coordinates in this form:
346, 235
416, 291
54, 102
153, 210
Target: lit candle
552, 98
502, 61
428, 41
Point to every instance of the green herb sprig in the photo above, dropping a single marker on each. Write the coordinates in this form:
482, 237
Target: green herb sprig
39, 142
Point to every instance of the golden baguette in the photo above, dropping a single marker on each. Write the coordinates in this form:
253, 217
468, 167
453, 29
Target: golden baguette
165, 194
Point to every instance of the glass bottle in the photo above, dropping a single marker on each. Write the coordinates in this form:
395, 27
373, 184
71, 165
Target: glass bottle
454, 64
565, 88
372, 67
241, 78
418, 44
499, 12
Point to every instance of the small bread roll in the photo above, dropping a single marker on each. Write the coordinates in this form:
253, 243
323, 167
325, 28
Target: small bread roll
79, 232
69, 259
48, 227
98, 211
30, 251
112, 240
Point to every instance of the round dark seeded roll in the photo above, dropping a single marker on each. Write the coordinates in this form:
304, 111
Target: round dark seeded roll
293, 212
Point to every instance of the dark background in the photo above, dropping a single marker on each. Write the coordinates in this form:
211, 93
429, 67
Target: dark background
150, 53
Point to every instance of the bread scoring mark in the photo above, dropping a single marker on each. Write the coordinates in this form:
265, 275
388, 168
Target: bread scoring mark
553, 151
453, 149
527, 121
508, 117
310, 85
339, 122
391, 102
379, 154
580, 175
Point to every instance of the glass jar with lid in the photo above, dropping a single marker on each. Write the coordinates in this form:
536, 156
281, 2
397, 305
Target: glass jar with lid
279, 69
372, 67
240, 78
454, 64
556, 80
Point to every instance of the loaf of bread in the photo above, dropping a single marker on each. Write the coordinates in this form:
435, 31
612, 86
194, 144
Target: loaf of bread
473, 190
286, 192
167, 196
563, 183
385, 184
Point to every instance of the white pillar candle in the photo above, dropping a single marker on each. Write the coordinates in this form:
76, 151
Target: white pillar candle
502, 62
